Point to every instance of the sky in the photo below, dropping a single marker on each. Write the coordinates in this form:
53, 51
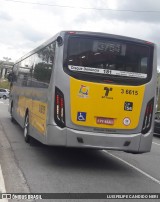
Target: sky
26, 25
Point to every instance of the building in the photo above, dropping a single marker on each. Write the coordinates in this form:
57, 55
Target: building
5, 68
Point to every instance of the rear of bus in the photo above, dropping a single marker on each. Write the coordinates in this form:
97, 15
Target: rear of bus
104, 92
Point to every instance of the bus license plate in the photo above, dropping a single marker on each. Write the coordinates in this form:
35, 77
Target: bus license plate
108, 121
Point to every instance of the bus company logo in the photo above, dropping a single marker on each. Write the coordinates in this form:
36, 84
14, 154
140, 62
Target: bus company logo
6, 196
83, 91
107, 91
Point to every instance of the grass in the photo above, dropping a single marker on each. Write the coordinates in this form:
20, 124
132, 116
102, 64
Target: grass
4, 84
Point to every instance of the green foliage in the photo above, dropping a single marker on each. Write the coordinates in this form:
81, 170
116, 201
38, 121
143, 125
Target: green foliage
4, 84
158, 109
42, 72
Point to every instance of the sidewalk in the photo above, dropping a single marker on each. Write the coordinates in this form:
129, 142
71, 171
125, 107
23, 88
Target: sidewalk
2, 185
12, 180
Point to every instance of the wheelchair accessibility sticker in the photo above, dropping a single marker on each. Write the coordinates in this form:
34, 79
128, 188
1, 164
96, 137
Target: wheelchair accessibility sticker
81, 116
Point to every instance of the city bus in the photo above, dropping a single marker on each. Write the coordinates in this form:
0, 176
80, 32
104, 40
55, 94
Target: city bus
87, 90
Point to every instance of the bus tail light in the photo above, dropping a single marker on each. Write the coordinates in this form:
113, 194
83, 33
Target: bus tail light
148, 117
59, 110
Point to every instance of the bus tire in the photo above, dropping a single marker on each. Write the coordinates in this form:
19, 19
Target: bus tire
11, 112
26, 129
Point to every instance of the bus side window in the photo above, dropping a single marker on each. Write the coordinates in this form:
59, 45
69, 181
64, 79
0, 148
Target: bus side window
25, 70
15, 72
42, 70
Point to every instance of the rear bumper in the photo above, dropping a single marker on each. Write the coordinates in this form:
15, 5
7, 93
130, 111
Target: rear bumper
74, 138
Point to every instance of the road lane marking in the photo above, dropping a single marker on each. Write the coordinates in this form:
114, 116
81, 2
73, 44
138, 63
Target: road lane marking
4, 103
2, 185
156, 143
134, 167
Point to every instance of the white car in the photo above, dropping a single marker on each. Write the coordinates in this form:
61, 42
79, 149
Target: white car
4, 93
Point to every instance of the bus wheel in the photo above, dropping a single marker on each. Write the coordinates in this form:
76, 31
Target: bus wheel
26, 129
11, 112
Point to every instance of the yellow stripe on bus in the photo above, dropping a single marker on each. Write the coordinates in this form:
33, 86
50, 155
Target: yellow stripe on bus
37, 111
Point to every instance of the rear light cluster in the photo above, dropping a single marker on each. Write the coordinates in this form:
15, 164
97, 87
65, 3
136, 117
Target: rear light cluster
148, 117
59, 111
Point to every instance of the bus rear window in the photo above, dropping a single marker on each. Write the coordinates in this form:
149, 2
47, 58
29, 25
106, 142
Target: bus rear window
103, 57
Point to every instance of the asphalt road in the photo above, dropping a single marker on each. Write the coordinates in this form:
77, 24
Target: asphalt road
37, 168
